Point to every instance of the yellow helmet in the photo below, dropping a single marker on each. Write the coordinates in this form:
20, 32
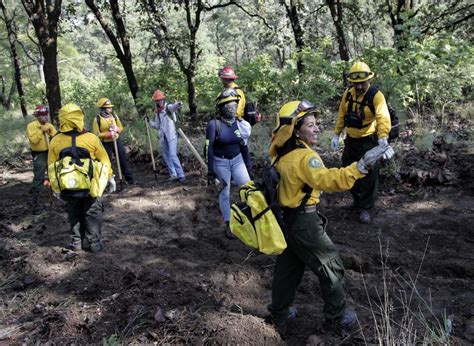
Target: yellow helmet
227, 95
104, 102
288, 116
360, 72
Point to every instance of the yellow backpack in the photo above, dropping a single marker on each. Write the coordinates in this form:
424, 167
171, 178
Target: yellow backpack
75, 174
253, 222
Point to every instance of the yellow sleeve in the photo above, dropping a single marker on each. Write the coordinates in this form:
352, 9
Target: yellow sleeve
34, 133
118, 123
241, 105
102, 156
382, 115
340, 114
53, 153
320, 178
52, 130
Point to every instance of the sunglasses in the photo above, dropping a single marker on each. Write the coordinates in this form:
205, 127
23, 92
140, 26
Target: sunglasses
359, 75
303, 106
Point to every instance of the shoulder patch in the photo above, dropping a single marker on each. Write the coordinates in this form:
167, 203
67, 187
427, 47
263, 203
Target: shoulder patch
313, 162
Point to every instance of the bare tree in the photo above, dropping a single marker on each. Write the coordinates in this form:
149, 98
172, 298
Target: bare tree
45, 16
120, 42
12, 39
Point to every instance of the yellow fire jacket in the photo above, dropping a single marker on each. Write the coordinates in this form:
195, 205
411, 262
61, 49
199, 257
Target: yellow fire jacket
105, 125
241, 105
379, 123
304, 166
87, 140
36, 135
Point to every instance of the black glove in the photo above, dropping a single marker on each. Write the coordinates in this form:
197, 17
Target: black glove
211, 178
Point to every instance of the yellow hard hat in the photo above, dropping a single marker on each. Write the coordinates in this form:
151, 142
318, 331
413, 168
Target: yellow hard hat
360, 72
288, 116
227, 95
104, 102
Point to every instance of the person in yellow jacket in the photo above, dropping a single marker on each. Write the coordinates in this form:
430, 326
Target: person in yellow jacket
364, 130
85, 213
108, 127
39, 133
228, 77
303, 176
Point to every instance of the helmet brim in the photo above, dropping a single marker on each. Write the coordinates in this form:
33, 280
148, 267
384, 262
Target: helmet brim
229, 77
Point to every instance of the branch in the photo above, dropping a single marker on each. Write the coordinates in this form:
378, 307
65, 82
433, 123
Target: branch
235, 3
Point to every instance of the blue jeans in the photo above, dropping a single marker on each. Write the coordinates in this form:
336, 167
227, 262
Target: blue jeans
169, 151
225, 169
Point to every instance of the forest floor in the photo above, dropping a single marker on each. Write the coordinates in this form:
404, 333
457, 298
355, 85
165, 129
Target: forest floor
168, 275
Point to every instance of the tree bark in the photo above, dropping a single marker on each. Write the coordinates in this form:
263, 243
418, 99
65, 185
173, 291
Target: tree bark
45, 19
121, 43
9, 23
335, 7
298, 33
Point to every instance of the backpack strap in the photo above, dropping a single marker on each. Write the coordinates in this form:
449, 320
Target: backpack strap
308, 190
368, 99
97, 118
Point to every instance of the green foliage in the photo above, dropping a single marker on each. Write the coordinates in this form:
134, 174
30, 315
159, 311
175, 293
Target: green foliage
434, 72
13, 140
111, 341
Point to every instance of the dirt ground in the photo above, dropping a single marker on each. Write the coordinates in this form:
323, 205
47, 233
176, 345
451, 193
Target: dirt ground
169, 276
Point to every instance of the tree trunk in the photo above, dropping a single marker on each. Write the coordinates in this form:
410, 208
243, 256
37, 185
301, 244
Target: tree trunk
298, 33
122, 47
335, 8
191, 93
16, 61
45, 21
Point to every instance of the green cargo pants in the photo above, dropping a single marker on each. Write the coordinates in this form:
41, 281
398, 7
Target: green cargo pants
40, 164
308, 245
364, 191
85, 220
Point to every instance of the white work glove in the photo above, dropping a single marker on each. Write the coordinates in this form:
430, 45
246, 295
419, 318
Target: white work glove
112, 185
389, 153
335, 142
371, 157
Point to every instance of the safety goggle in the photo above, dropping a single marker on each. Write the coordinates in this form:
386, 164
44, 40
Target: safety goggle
359, 75
303, 106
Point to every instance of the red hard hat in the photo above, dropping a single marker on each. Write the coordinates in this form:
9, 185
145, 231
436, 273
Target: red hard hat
158, 95
227, 73
40, 110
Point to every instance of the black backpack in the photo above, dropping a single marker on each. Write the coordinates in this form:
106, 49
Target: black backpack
368, 101
268, 184
251, 113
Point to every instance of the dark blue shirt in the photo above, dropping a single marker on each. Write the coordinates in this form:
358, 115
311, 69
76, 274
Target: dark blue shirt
225, 142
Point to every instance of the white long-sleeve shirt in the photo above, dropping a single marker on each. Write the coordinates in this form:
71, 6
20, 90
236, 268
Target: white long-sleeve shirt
165, 121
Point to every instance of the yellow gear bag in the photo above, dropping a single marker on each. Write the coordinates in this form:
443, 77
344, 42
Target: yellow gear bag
75, 174
253, 222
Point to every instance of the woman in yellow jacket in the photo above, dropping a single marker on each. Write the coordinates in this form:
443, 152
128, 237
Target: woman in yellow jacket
108, 127
85, 213
39, 133
302, 178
